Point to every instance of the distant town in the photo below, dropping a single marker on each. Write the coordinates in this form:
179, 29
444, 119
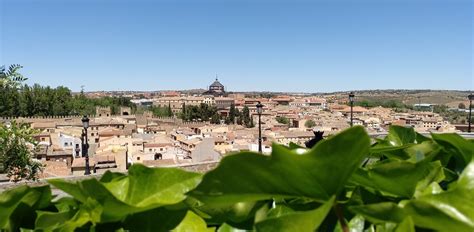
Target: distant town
200, 126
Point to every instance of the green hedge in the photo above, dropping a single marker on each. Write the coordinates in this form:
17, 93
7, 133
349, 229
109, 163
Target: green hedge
405, 182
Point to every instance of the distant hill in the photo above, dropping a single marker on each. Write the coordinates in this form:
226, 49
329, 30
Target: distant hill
409, 97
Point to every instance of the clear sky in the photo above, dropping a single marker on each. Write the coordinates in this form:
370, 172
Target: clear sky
293, 45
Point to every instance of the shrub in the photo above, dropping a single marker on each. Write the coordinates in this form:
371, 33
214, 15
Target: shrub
16, 148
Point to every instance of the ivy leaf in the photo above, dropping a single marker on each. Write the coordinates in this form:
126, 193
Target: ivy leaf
228, 228
193, 222
356, 224
240, 215
404, 143
406, 225
52, 220
450, 210
454, 144
159, 219
318, 174
141, 190
168, 188
18, 206
65, 221
381, 212
287, 220
398, 178
399, 136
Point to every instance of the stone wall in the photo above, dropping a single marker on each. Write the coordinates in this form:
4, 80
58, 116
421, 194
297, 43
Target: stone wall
197, 167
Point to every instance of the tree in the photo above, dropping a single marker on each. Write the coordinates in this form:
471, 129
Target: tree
246, 116
11, 77
16, 150
462, 106
283, 120
310, 123
251, 123
232, 114
216, 119
10, 81
239, 117
169, 111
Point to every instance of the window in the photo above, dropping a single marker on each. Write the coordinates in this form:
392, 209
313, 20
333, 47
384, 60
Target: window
66, 144
138, 158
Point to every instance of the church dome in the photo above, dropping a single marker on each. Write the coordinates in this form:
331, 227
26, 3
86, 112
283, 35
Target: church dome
217, 84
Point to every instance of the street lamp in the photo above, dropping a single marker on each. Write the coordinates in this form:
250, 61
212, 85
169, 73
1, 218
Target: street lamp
85, 143
259, 112
351, 99
471, 98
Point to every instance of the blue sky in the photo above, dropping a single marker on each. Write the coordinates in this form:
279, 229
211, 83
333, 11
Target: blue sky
298, 46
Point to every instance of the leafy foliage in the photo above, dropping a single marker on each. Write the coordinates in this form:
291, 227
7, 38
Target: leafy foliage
16, 149
283, 120
404, 182
310, 123
17, 100
11, 77
202, 112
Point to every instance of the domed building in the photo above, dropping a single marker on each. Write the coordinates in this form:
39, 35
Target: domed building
216, 88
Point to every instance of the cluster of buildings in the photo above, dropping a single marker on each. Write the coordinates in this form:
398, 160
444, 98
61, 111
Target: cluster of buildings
118, 141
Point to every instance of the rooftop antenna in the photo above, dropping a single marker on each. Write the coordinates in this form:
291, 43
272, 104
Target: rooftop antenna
216, 77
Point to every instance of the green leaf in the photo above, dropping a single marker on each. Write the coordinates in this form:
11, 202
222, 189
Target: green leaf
192, 223
406, 225
52, 220
141, 190
399, 136
319, 174
381, 212
398, 178
18, 206
452, 210
421, 138
356, 224
394, 152
70, 188
168, 187
159, 219
403, 143
287, 220
63, 221
421, 151
240, 215
228, 228
454, 144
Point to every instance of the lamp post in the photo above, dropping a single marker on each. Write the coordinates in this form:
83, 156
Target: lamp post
85, 146
259, 112
351, 99
471, 98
